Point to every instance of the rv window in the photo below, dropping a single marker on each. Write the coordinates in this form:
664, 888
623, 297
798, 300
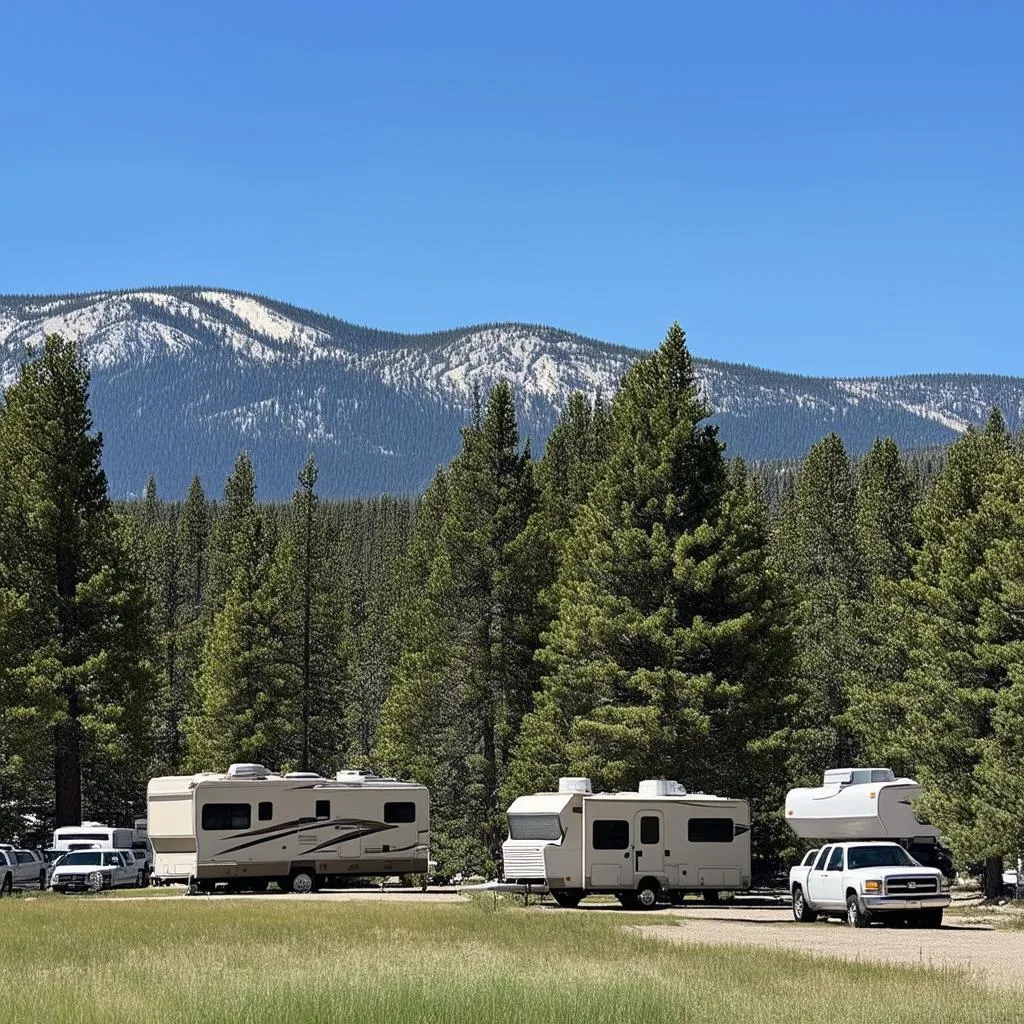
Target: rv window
266, 810
650, 830
710, 830
611, 835
398, 813
534, 826
226, 817
323, 809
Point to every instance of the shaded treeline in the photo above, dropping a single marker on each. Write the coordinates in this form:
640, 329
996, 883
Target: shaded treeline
631, 604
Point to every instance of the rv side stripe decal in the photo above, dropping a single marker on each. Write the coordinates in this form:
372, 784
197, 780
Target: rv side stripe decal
361, 826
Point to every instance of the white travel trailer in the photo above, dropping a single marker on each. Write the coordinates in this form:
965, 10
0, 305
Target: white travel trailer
659, 842
91, 835
249, 826
866, 803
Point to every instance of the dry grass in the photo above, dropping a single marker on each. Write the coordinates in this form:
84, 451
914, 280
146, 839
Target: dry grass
80, 960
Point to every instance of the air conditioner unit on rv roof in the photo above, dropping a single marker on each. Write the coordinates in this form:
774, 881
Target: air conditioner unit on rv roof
574, 784
248, 771
661, 787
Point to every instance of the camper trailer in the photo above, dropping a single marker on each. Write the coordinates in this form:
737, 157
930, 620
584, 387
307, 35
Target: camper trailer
250, 826
91, 835
866, 803
657, 843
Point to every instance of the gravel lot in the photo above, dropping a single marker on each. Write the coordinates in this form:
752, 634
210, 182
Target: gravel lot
995, 957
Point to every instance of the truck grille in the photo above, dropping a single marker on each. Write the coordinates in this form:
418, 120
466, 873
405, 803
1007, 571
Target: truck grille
523, 863
911, 886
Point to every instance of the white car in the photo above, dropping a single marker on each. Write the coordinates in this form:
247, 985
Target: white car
97, 869
21, 869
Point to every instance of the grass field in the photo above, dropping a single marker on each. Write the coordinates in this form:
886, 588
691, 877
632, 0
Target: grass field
293, 961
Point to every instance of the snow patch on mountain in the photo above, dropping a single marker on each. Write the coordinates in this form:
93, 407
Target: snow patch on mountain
267, 322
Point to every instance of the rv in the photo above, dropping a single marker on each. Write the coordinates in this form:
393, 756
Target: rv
657, 843
250, 826
91, 835
866, 803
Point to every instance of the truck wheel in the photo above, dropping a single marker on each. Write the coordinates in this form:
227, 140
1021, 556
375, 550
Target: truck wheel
567, 898
931, 918
856, 915
7, 886
802, 912
303, 882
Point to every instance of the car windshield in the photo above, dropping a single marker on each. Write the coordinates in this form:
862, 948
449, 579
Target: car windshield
879, 857
83, 857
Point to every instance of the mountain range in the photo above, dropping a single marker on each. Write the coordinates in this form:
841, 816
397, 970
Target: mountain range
183, 378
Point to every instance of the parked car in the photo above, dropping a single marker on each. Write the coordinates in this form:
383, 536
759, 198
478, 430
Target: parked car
21, 869
863, 882
97, 869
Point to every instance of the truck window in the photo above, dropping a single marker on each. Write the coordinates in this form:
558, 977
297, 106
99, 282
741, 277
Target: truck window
266, 810
610, 834
819, 864
808, 858
24, 857
323, 809
399, 812
650, 830
226, 817
710, 830
835, 862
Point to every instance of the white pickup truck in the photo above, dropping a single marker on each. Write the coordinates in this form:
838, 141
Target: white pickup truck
867, 881
97, 869
21, 869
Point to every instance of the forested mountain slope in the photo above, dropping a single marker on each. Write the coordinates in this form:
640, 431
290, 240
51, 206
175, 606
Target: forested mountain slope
184, 378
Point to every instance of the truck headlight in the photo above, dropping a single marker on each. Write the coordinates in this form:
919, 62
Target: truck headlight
872, 885
943, 883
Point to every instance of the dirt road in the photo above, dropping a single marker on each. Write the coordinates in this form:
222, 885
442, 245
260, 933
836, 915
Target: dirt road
992, 956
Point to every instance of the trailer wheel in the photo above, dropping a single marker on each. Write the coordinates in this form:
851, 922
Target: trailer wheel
567, 898
303, 882
856, 916
802, 912
646, 897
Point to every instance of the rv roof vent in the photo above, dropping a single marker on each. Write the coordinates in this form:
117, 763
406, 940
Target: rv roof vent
92, 824
661, 787
353, 775
302, 775
574, 784
248, 771
857, 776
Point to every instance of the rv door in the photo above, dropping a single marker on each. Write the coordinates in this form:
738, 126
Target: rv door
648, 851
609, 849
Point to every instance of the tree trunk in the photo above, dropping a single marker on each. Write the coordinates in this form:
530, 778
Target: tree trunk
992, 880
68, 769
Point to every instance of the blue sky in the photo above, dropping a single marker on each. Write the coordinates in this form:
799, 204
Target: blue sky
821, 188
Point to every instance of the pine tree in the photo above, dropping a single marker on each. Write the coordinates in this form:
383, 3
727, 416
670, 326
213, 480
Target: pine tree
467, 665
669, 653
244, 707
943, 712
817, 551
81, 674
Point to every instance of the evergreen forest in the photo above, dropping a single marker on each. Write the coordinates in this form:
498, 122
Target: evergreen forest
631, 603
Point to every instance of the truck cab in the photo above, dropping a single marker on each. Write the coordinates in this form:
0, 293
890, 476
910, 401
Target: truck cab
96, 869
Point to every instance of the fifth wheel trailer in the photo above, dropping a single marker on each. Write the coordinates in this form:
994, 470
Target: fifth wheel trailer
250, 826
866, 803
657, 843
